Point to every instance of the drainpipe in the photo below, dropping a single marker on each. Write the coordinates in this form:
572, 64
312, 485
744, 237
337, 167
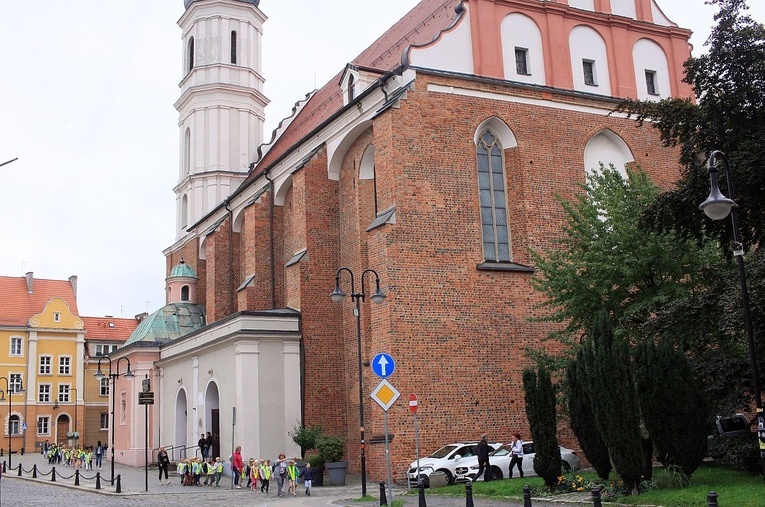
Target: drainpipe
271, 239
230, 257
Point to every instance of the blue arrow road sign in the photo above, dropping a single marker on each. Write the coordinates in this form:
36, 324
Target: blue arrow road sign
383, 365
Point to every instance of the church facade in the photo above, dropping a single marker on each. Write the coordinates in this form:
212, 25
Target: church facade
431, 164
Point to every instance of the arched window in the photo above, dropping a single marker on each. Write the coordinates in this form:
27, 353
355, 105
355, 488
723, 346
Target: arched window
607, 148
185, 293
14, 425
233, 47
187, 152
492, 198
184, 211
191, 55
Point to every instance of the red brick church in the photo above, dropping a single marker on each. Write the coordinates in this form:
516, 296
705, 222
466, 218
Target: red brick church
434, 158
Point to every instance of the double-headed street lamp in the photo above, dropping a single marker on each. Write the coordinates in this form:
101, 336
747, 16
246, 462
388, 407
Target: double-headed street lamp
717, 207
9, 392
99, 375
338, 296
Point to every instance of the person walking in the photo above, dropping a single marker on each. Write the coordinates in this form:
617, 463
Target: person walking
218, 471
265, 475
516, 454
208, 445
99, 454
292, 475
307, 475
163, 463
482, 452
237, 465
280, 471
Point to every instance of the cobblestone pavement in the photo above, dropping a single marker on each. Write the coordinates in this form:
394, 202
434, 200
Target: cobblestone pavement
25, 491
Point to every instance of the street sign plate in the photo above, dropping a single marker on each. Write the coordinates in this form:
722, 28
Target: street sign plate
413, 403
383, 365
146, 398
385, 394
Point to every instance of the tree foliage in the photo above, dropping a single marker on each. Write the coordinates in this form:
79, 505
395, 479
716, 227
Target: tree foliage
541, 414
581, 418
672, 405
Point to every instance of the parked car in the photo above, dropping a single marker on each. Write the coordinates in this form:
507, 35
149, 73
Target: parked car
728, 429
499, 462
443, 460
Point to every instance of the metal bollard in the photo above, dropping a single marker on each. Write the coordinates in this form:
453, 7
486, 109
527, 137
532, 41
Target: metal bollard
469, 494
76, 477
19, 469
526, 495
53, 474
34, 471
712, 499
421, 492
119, 483
98, 480
383, 498
596, 497
4, 467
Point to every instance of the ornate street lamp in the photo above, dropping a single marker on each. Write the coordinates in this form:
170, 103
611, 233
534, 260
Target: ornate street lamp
717, 207
99, 375
338, 296
10, 392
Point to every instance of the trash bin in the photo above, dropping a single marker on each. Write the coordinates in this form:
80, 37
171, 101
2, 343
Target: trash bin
438, 480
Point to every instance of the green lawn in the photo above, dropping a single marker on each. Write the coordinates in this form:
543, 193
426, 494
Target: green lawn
733, 489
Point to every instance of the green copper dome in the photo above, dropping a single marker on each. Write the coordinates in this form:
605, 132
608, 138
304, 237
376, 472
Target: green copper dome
168, 323
182, 270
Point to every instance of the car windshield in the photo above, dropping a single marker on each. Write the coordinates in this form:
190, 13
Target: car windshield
443, 452
502, 451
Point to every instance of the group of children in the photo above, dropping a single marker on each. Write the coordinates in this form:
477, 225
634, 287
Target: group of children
76, 458
191, 471
259, 473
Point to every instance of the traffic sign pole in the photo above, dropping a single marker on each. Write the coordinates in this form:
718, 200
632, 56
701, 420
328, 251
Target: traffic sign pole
413, 408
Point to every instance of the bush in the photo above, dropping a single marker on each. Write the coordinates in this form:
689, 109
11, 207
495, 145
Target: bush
331, 448
573, 483
306, 437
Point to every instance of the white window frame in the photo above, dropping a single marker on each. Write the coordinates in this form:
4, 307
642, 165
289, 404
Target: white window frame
14, 425
103, 386
56, 316
591, 63
45, 366
526, 62
15, 381
103, 349
19, 340
104, 421
64, 365
64, 393
43, 393
43, 425
652, 77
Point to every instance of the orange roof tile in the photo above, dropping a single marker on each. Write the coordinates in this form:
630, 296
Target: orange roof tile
108, 328
17, 305
419, 26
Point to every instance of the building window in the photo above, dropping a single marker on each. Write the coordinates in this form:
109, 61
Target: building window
63, 393
14, 425
64, 365
522, 61
233, 47
650, 82
56, 317
43, 425
491, 187
187, 153
15, 382
45, 365
190, 55
104, 420
103, 386
351, 82
185, 293
16, 349
590, 77
102, 349
43, 393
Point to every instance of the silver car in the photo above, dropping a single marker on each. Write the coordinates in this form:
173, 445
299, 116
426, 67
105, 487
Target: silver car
499, 462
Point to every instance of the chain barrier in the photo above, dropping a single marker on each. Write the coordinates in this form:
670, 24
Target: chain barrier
36, 473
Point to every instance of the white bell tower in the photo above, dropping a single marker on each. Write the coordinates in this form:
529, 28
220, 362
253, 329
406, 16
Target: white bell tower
222, 107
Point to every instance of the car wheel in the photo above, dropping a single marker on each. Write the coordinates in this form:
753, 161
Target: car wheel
449, 477
566, 466
496, 473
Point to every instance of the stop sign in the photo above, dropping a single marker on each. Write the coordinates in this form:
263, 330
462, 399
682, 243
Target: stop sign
413, 403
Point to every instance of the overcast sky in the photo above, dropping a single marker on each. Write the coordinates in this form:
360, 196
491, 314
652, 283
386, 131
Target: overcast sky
86, 104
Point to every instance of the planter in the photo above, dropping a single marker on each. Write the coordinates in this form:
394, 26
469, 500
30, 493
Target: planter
336, 472
318, 475
300, 466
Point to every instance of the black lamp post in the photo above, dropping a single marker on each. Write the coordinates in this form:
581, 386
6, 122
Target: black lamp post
99, 374
717, 207
337, 296
9, 393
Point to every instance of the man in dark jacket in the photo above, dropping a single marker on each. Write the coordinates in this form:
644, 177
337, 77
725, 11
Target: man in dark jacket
482, 452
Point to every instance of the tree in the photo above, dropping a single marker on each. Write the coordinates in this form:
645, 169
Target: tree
729, 82
581, 417
673, 407
608, 367
541, 414
606, 261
